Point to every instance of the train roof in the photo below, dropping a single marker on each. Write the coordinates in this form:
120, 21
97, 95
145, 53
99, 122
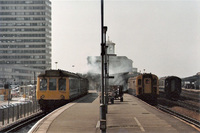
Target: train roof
168, 77
142, 74
146, 74
58, 73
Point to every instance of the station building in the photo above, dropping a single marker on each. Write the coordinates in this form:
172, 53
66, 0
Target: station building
118, 67
116, 64
25, 39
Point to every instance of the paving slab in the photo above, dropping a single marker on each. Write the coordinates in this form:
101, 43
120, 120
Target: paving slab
132, 115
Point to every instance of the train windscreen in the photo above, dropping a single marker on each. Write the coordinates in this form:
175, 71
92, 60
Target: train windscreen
43, 84
52, 84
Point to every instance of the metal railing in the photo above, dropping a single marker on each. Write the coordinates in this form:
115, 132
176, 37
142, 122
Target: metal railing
15, 112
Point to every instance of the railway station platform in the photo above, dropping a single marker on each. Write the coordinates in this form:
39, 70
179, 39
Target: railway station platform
132, 115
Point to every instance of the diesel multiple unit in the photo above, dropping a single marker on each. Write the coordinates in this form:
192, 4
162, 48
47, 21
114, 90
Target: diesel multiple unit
144, 86
57, 87
170, 87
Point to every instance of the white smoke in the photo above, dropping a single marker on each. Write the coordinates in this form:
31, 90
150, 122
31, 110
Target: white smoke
94, 64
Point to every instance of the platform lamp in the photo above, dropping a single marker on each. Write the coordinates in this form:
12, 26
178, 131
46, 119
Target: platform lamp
56, 64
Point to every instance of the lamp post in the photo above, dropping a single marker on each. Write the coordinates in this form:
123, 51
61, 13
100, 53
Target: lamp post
106, 69
102, 104
104, 65
103, 83
107, 76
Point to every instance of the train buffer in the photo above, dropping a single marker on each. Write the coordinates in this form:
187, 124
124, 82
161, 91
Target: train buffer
131, 115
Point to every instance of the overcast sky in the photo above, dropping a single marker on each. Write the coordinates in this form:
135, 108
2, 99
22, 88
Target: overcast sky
160, 36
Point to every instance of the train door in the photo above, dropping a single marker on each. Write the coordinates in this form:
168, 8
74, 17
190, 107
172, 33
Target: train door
147, 85
173, 85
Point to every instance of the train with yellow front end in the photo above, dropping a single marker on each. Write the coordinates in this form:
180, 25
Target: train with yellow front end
144, 86
58, 87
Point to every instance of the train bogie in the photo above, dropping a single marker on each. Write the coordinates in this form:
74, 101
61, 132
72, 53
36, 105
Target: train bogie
144, 86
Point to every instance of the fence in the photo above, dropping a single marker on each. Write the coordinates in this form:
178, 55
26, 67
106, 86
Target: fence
14, 112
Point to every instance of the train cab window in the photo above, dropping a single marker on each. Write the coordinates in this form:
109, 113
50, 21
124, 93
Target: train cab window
147, 81
52, 84
139, 81
43, 84
62, 84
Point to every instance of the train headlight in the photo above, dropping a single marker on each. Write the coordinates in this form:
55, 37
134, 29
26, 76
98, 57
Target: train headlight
62, 97
42, 97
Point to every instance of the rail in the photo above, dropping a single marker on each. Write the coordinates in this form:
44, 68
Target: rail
18, 126
183, 117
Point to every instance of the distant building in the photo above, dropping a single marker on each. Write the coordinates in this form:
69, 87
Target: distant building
192, 82
119, 67
111, 47
117, 64
25, 38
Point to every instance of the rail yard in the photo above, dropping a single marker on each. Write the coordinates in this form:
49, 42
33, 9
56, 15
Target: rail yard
188, 103
133, 113
107, 93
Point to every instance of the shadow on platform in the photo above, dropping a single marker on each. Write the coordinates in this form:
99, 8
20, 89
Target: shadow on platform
90, 99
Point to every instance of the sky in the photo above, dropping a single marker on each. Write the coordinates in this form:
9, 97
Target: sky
160, 36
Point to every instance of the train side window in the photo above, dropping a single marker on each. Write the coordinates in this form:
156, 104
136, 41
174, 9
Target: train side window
62, 84
43, 84
139, 81
74, 84
154, 82
52, 84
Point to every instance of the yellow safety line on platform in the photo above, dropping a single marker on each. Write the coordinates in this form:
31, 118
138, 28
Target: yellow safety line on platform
142, 129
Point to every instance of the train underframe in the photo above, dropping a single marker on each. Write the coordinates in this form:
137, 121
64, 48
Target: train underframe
149, 98
50, 105
170, 95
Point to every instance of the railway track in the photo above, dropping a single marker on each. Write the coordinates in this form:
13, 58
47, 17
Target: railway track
189, 95
180, 103
16, 126
181, 116
188, 105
